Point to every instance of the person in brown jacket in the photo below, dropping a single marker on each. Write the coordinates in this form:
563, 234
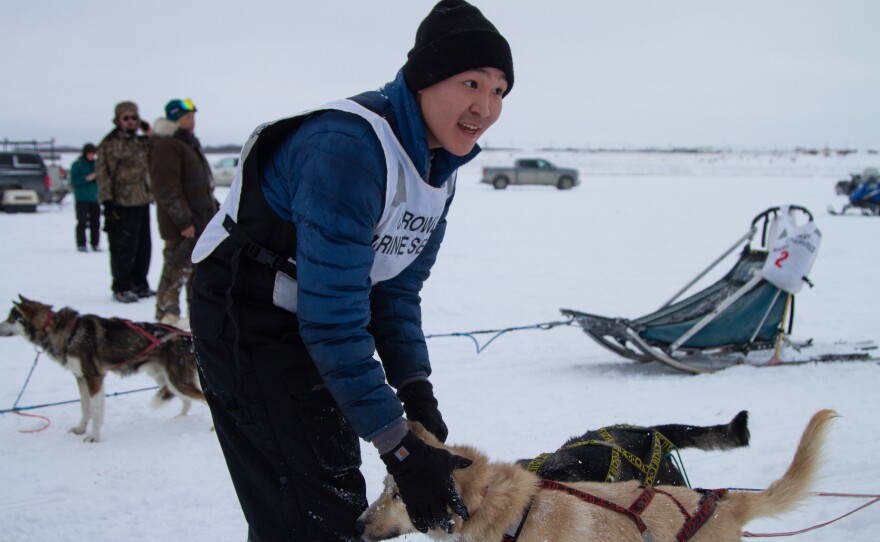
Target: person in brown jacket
181, 182
124, 189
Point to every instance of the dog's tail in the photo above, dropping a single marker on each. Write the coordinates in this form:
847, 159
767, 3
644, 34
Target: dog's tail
163, 395
794, 486
713, 437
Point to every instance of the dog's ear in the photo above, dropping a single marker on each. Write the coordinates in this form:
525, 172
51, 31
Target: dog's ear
26, 301
459, 462
25, 309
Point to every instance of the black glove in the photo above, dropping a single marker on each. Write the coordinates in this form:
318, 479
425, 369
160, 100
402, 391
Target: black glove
424, 479
110, 212
111, 217
421, 406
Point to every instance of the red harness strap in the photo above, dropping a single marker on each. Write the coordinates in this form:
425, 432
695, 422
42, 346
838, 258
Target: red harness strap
705, 509
634, 511
692, 523
154, 342
49, 321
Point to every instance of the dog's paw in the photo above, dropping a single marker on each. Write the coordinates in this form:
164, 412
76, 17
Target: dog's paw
92, 438
78, 430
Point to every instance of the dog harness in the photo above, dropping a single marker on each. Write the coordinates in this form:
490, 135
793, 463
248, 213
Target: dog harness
659, 445
512, 532
155, 340
692, 523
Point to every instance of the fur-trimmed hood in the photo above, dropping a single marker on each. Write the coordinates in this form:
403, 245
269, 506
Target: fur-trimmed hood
163, 127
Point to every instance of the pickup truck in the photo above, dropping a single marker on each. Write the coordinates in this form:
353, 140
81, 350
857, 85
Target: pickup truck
531, 171
24, 170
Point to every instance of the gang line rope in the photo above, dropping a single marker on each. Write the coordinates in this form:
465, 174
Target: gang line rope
544, 326
469, 334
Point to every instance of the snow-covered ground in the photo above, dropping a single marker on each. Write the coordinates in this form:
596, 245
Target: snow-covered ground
636, 230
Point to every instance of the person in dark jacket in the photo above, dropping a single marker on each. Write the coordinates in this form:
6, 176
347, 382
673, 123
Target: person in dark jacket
85, 194
124, 190
181, 181
315, 261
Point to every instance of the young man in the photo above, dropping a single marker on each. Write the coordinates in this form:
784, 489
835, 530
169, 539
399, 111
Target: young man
315, 261
124, 190
181, 182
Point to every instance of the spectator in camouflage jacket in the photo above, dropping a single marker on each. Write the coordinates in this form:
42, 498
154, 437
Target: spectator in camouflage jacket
181, 181
124, 190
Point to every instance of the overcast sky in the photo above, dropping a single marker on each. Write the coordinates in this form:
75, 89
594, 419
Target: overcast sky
741, 74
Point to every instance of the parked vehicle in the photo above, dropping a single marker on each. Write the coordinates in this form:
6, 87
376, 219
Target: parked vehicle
15, 200
25, 170
531, 171
863, 192
59, 182
224, 170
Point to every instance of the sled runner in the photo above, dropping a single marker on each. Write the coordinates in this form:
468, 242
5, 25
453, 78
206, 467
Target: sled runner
745, 313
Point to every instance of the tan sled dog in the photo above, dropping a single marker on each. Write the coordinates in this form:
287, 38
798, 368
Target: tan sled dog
90, 346
502, 499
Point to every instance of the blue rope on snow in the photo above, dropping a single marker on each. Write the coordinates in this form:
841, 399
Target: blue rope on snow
469, 334
26, 380
16, 408
114, 394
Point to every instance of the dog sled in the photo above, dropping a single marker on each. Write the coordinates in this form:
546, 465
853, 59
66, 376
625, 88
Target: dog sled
863, 192
745, 316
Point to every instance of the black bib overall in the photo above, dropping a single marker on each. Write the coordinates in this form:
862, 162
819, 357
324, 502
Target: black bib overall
292, 456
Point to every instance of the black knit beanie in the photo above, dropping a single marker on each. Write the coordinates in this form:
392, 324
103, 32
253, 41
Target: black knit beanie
453, 38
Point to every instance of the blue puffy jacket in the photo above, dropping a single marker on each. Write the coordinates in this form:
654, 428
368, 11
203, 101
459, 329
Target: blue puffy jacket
328, 178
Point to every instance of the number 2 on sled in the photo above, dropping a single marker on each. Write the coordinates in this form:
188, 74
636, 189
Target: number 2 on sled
778, 262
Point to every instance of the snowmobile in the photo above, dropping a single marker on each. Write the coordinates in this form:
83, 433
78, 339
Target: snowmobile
863, 191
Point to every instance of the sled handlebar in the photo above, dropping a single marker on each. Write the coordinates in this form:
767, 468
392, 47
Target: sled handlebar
774, 210
766, 215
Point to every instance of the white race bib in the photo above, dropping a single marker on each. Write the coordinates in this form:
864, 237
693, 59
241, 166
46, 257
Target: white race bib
793, 250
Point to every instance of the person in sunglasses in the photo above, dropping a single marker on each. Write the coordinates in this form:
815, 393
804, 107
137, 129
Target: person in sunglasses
315, 261
123, 177
181, 181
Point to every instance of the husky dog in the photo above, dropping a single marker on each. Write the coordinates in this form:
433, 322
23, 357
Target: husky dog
503, 499
625, 452
89, 346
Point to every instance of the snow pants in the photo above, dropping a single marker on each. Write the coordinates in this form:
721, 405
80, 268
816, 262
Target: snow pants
128, 234
293, 457
88, 216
